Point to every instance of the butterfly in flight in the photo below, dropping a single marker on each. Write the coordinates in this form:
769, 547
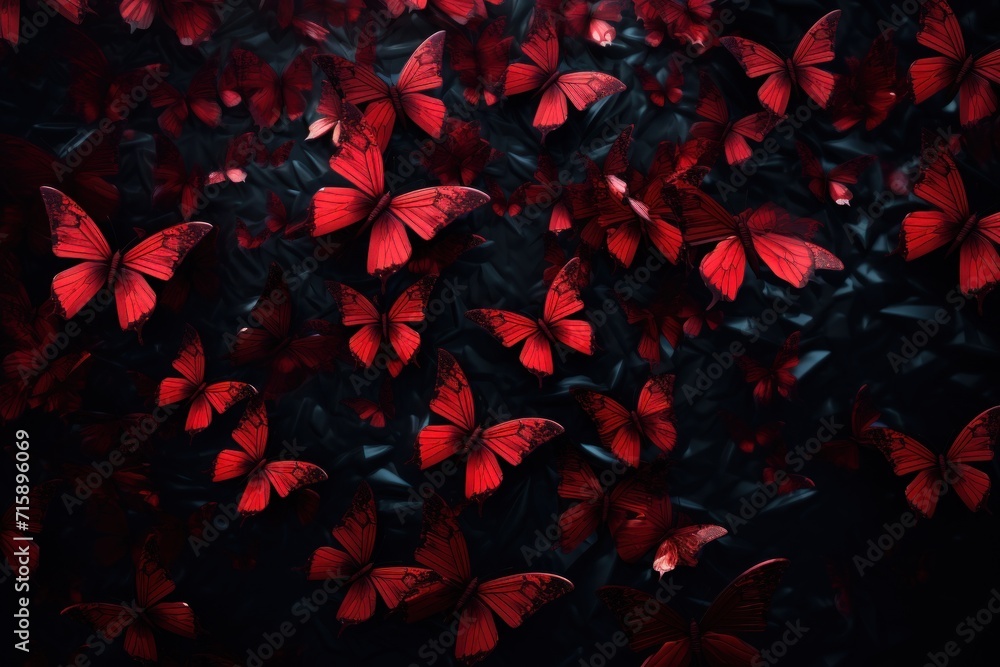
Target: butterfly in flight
481, 66
671, 90
76, 236
832, 185
870, 90
479, 445
248, 78
676, 542
731, 135
815, 48
199, 101
377, 413
776, 379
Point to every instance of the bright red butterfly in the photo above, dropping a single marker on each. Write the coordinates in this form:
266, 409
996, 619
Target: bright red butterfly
749, 438
481, 66
199, 101
194, 21
249, 78
353, 565
622, 430
407, 97
479, 445
730, 135
866, 431
148, 611
871, 89
554, 327
261, 474
192, 388
815, 48
542, 74
375, 413
392, 329
76, 236
776, 379
832, 186
474, 601
671, 90
676, 542
936, 474
425, 211
954, 69
174, 184
742, 607
769, 234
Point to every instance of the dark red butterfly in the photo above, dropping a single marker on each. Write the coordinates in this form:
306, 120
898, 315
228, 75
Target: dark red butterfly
741, 607
304, 26
199, 101
594, 21
10, 16
194, 21
671, 90
871, 89
676, 542
175, 185
433, 257
749, 438
658, 319
542, 74
554, 327
385, 102
474, 601
56, 388
938, 473
776, 473
687, 21
866, 431
501, 204
622, 430
954, 69
353, 564
375, 413
192, 388
244, 149
459, 11
334, 112
148, 611
800, 70
461, 155
481, 66
76, 236
276, 222
477, 444
249, 78
261, 474
728, 134
776, 379
548, 191
247, 239
832, 186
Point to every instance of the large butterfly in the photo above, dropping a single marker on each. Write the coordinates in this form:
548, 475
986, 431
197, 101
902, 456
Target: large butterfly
871, 89
621, 430
814, 49
769, 234
425, 211
866, 431
542, 74
832, 186
249, 78
353, 565
554, 327
937, 473
392, 328
191, 386
464, 436
954, 69
199, 101
407, 97
730, 135
741, 607
261, 474
676, 542
952, 224
474, 601
776, 379
481, 66
194, 21
138, 619
76, 236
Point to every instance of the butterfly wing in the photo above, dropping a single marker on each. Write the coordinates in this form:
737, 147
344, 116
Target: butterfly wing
744, 604
614, 425
974, 445
655, 412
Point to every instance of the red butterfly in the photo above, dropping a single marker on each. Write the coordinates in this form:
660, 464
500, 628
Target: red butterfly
687, 21
425, 211
249, 78
584, 19
174, 184
199, 100
407, 97
461, 155
353, 565
832, 186
334, 112
731, 135
937, 473
741, 607
548, 192
776, 475
814, 49
621, 430
248, 461
459, 11
866, 431
542, 74
194, 21
275, 223
191, 386
768, 234
952, 224
776, 379
76, 236
479, 445
244, 149
871, 90
247, 239
10, 16
138, 619
473, 601
375, 413
553, 328
676, 543
954, 69
391, 329
671, 90
658, 319
481, 66
749, 438
433, 257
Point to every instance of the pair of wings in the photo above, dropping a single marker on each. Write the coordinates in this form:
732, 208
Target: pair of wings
561, 301
582, 89
481, 66
732, 136
832, 186
248, 78
284, 476
511, 440
671, 90
76, 236
656, 527
360, 85
776, 379
815, 48
356, 534
200, 101
174, 185
940, 31
191, 386
655, 419
377, 413
871, 89
193, 21
742, 607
